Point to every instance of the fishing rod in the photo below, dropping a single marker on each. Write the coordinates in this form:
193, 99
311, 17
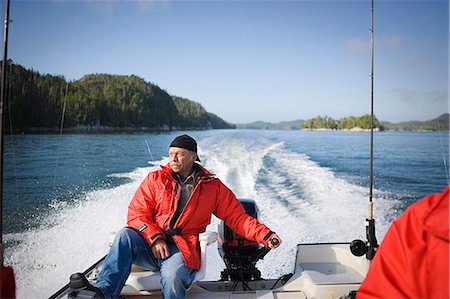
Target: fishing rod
359, 247
370, 226
7, 281
149, 152
2, 119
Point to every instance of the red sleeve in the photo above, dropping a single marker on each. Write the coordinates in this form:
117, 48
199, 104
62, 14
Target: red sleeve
141, 212
232, 212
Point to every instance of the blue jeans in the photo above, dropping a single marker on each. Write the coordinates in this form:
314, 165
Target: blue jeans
130, 248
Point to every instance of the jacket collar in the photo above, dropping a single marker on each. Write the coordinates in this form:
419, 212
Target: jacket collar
203, 173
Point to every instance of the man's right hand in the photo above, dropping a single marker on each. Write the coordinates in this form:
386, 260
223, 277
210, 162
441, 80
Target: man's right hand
160, 249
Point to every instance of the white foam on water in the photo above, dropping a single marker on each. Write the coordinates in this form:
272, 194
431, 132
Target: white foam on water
73, 238
297, 198
321, 206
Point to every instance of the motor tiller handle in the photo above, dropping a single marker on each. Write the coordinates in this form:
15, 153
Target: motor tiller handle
265, 250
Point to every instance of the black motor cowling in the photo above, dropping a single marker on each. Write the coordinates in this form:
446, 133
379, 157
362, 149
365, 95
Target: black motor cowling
239, 254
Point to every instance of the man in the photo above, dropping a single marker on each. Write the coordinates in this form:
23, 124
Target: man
413, 259
167, 213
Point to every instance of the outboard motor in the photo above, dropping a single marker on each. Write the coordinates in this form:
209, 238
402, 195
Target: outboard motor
239, 254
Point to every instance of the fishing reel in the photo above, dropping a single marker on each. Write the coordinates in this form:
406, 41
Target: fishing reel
369, 247
359, 247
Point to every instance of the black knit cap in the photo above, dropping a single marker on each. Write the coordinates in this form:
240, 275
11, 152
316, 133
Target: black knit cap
186, 142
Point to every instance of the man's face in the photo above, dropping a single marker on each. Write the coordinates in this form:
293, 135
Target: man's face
181, 160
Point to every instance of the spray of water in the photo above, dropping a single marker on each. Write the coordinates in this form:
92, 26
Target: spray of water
73, 237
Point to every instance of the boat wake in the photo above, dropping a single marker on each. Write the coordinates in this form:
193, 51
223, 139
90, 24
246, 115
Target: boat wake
300, 200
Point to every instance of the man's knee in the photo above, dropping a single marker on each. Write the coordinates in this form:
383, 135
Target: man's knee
125, 236
126, 232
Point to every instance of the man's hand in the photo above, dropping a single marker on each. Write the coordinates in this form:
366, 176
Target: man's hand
274, 241
160, 249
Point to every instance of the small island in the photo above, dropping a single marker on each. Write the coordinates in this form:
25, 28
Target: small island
363, 123
351, 123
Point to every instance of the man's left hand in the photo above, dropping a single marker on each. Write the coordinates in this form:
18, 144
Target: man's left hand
160, 249
274, 241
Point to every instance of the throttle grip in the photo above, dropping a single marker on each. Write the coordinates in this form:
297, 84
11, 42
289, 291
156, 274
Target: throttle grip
274, 241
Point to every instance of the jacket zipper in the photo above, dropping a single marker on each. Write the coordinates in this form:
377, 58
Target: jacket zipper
174, 205
196, 184
197, 181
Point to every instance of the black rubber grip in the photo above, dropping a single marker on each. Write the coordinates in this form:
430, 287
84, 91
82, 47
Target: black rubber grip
274, 241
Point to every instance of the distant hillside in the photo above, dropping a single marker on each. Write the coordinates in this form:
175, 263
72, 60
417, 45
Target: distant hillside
440, 123
283, 125
100, 102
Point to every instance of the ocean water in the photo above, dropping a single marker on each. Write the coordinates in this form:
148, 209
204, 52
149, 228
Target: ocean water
64, 195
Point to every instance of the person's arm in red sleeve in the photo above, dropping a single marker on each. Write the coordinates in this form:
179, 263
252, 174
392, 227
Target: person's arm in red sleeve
232, 212
141, 211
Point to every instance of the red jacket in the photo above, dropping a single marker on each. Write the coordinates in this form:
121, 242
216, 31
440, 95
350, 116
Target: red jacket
413, 259
155, 202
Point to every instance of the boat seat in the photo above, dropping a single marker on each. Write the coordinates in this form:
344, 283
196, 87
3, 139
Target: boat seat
330, 264
141, 280
331, 273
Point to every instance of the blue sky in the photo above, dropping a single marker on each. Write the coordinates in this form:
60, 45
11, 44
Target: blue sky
250, 60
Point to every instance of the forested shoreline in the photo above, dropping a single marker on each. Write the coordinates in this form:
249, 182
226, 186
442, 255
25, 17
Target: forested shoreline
110, 103
42, 102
